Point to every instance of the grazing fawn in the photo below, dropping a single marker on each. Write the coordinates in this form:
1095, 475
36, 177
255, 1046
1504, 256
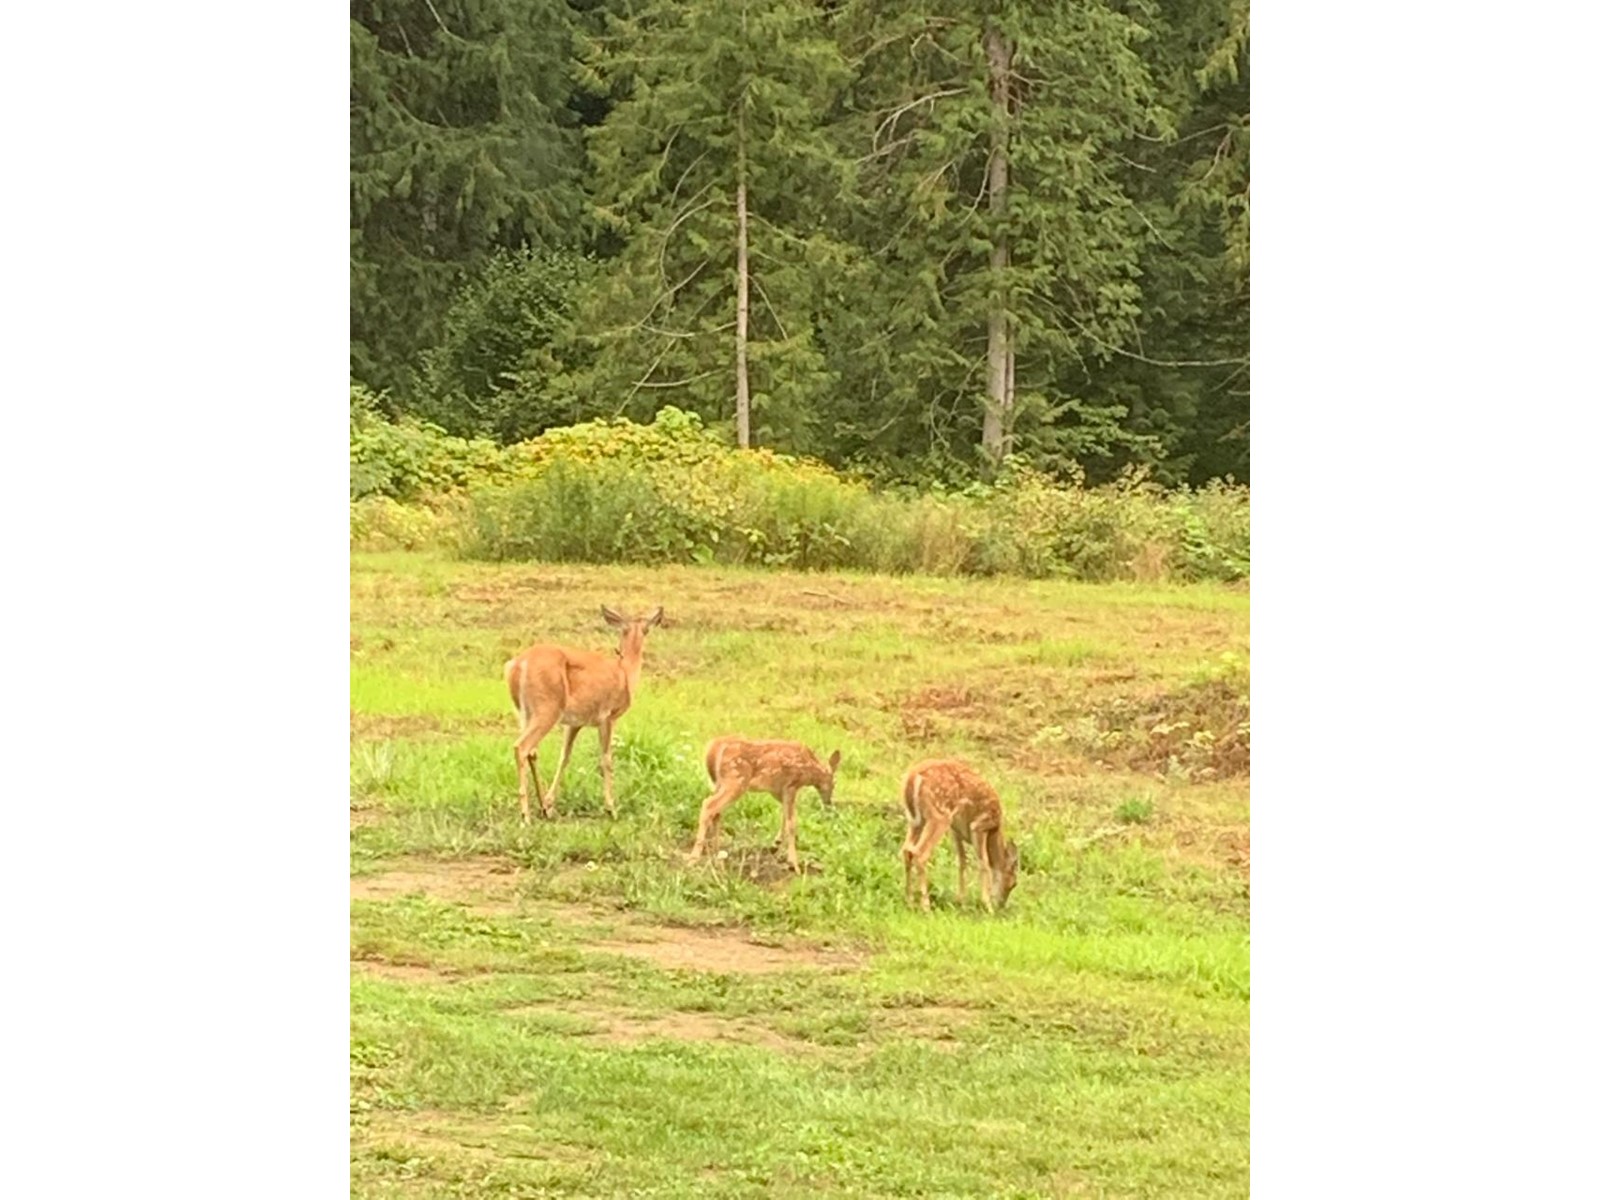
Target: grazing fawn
943, 794
577, 688
738, 765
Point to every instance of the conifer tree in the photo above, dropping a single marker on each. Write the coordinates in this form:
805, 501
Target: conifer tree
716, 170
461, 141
999, 239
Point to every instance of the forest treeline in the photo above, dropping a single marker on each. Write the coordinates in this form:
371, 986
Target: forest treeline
911, 240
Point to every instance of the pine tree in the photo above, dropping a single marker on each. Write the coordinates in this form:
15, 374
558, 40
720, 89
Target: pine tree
1186, 383
461, 142
716, 170
999, 242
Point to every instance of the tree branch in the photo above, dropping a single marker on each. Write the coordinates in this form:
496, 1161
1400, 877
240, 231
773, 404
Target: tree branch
784, 332
1154, 362
438, 18
909, 105
672, 383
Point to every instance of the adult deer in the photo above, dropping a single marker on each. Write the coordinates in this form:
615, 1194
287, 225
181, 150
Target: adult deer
738, 765
946, 795
577, 689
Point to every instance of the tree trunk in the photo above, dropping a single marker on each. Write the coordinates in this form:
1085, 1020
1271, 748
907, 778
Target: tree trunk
741, 336
998, 407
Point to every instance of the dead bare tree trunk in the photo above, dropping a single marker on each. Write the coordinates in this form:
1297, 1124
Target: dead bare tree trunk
998, 409
741, 336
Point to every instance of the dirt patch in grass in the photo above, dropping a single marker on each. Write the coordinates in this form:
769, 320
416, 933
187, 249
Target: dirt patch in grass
362, 815
1214, 845
1054, 722
487, 886
931, 714
676, 948
1203, 728
696, 1027
764, 865
940, 699
402, 972
1000, 710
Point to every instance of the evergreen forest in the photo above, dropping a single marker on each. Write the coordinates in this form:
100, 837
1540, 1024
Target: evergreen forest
914, 241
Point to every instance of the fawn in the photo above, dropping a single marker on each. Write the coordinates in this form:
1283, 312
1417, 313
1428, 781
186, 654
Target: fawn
738, 765
577, 688
944, 794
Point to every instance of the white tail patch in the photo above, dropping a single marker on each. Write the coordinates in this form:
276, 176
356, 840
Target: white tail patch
514, 671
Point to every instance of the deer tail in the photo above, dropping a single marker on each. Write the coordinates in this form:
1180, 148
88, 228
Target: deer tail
514, 682
909, 791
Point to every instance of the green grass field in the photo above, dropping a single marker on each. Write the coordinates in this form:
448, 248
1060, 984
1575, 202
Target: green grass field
567, 1008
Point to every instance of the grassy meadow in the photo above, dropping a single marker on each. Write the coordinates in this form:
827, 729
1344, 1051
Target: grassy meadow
568, 1009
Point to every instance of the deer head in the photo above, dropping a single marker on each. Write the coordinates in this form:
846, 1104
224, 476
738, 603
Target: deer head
1007, 873
633, 629
825, 788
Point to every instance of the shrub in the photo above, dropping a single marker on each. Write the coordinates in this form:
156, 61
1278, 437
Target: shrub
1136, 810
409, 459
383, 523
673, 492
496, 371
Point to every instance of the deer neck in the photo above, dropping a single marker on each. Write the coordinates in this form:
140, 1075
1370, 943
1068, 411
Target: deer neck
997, 845
632, 666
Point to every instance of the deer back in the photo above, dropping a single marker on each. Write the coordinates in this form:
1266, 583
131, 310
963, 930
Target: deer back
948, 787
585, 686
765, 765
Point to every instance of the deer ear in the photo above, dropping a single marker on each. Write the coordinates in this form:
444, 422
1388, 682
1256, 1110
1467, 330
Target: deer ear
612, 616
833, 761
655, 618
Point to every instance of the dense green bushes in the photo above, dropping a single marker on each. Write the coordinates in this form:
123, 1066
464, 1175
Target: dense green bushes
614, 491
411, 459
500, 368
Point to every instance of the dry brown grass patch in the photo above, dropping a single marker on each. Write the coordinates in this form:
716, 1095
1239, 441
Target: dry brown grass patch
487, 886
403, 972
721, 952
457, 1139
620, 1027
372, 727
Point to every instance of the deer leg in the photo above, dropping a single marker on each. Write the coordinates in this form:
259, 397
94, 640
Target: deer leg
605, 765
961, 857
523, 762
777, 842
739, 789
547, 802
986, 871
908, 853
710, 828
932, 834
788, 829
526, 749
